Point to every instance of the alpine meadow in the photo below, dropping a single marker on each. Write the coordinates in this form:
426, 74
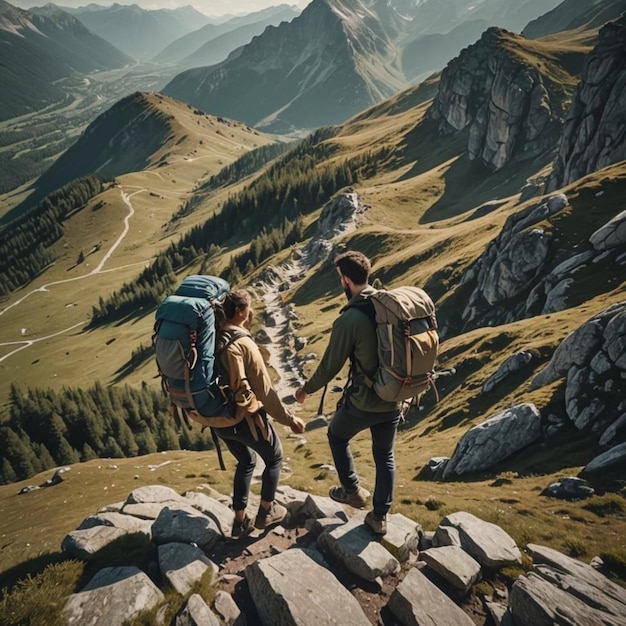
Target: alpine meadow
477, 151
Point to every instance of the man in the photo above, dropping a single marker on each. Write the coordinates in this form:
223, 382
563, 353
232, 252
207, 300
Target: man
353, 337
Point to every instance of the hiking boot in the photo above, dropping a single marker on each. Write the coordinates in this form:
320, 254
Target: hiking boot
356, 499
241, 529
378, 523
268, 517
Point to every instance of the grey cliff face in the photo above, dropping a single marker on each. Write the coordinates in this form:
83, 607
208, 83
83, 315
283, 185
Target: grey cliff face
511, 267
507, 104
592, 360
595, 129
523, 272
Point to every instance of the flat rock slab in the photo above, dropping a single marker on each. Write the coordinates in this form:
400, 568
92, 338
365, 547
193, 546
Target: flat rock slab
291, 589
152, 493
454, 565
129, 523
491, 546
360, 551
418, 602
222, 515
152, 510
536, 602
320, 506
182, 565
83, 544
113, 596
196, 612
579, 570
403, 536
184, 526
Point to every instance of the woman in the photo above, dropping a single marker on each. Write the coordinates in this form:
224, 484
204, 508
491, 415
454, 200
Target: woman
254, 398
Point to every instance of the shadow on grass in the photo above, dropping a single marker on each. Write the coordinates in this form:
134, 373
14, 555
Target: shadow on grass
28, 569
132, 549
468, 183
137, 360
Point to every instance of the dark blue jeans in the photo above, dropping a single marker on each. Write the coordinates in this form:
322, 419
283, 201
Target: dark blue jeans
243, 447
345, 424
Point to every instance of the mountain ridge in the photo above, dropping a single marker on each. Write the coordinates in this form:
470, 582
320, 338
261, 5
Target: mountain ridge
138, 32
332, 64
139, 132
230, 34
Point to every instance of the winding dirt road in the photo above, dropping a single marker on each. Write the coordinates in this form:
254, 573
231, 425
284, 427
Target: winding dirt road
23, 344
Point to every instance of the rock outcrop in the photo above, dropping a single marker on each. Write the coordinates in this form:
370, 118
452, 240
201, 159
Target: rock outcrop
508, 273
296, 574
594, 135
509, 106
562, 590
523, 272
592, 360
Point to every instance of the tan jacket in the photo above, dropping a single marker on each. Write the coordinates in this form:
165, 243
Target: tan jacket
249, 380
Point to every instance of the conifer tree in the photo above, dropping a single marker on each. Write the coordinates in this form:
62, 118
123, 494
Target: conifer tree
7, 475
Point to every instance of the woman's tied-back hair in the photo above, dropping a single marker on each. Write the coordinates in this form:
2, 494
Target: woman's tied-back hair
355, 266
234, 301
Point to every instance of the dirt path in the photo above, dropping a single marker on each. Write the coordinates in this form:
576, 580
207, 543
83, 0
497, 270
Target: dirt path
283, 356
339, 217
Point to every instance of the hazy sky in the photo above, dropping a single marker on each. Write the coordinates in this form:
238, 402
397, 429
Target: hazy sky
208, 7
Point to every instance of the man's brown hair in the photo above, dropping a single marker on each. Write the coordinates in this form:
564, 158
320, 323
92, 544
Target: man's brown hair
355, 266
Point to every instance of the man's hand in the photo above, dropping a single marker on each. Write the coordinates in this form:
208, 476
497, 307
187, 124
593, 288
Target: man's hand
297, 425
301, 395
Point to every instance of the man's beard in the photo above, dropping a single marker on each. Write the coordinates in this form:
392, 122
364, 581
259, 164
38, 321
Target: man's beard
348, 293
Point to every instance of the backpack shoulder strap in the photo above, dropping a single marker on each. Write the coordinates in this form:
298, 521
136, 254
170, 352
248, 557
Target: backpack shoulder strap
364, 304
227, 337
357, 372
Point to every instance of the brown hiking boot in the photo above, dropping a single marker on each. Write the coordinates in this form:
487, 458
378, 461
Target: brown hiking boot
268, 517
241, 529
356, 499
378, 523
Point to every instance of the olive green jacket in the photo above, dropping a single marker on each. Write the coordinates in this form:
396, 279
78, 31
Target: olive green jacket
353, 335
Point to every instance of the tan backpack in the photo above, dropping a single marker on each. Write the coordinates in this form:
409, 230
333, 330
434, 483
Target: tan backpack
408, 343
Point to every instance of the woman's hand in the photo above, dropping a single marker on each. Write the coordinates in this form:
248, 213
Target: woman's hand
297, 425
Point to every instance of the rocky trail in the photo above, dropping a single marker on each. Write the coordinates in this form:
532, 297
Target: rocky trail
338, 217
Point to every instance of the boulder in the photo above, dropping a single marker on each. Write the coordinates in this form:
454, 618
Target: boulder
112, 597
418, 602
354, 544
290, 588
494, 440
491, 546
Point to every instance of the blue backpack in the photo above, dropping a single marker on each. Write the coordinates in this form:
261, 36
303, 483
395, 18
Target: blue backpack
184, 342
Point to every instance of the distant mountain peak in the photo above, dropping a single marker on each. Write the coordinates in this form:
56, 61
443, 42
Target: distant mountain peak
332, 61
13, 20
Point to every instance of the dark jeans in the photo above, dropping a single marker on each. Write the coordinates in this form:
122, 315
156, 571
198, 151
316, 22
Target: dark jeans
243, 447
345, 424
